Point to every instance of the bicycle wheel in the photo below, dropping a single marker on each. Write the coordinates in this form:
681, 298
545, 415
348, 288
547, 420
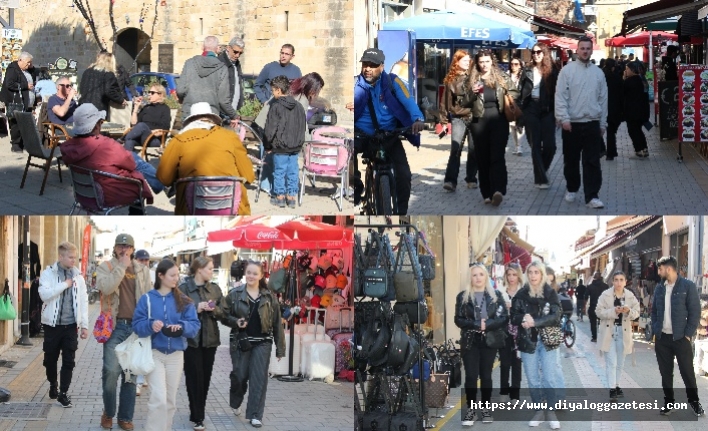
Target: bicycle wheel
383, 204
569, 334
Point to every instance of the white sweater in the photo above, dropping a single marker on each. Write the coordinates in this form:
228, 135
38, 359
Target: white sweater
581, 94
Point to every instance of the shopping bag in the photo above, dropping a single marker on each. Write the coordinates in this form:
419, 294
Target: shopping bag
135, 355
7, 308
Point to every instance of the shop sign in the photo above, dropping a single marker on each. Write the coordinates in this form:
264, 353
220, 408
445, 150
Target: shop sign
693, 103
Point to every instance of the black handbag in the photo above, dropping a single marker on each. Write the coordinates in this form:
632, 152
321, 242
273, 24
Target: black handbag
243, 343
413, 310
495, 339
405, 421
427, 261
14, 106
449, 362
374, 421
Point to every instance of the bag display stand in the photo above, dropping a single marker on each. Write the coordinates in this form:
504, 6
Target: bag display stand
291, 281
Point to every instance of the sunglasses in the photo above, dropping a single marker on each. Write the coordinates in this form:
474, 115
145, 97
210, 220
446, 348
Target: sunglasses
537, 52
235, 51
66, 85
154, 92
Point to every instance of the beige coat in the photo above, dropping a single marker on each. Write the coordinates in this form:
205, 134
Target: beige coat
108, 278
606, 313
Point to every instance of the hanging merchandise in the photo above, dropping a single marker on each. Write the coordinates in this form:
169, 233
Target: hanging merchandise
7, 308
427, 261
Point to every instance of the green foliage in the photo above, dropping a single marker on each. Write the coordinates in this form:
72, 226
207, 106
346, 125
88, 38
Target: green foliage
250, 108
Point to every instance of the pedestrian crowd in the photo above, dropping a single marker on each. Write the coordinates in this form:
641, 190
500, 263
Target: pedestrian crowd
210, 90
182, 320
524, 320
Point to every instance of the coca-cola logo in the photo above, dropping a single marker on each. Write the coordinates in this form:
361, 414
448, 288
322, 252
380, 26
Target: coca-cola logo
268, 235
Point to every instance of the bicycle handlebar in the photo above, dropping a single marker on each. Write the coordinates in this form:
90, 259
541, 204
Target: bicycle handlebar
384, 134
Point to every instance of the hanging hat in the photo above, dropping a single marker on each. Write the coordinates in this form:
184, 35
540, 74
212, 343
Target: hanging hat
342, 281
324, 262
320, 281
330, 282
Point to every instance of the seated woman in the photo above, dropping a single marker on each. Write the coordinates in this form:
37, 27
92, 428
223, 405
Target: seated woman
154, 115
204, 148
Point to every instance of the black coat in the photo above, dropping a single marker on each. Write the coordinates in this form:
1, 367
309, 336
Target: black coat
100, 88
15, 86
615, 97
523, 304
636, 101
547, 95
594, 291
232, 79
285, 126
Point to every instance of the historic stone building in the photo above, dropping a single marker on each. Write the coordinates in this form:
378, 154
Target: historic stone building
322, 33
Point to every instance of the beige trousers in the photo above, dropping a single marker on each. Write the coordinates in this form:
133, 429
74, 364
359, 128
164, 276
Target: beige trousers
164, 382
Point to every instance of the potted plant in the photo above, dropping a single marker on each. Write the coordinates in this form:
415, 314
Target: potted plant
250, 109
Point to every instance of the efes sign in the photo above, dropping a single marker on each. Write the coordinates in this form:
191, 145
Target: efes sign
474, 33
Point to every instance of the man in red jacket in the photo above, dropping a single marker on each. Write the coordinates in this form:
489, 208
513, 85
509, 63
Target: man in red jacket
89, 149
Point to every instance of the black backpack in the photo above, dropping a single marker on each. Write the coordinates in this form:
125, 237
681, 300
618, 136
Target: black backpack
238, 269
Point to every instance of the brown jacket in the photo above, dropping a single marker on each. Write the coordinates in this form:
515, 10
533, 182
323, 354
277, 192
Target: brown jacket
209, 330
108, 278
509, 86
451, 100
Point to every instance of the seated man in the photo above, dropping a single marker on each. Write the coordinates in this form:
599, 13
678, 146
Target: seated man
204, 148
61, 106
89, 149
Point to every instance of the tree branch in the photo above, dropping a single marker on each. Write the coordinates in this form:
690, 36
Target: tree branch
149, 40
85, 10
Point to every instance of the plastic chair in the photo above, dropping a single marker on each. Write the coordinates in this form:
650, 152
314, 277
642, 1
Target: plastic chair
329, 160
319, 131
88, 193
33, 145
211, 195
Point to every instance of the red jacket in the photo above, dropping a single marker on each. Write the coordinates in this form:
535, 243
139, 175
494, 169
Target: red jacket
104, 154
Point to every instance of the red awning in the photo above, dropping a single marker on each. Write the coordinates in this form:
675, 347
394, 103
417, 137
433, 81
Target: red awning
563, 42
635, 18
557, 27
641, 39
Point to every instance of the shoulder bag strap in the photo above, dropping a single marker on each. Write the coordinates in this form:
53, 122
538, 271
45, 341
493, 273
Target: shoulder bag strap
372, 112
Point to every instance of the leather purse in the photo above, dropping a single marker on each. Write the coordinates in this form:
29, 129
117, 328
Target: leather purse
512, 111
406, 286
436, 390
495, 339
412, 309
14, 106
551, 336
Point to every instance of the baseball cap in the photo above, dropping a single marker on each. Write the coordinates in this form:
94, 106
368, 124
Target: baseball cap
125, 239
142, 255
373, 55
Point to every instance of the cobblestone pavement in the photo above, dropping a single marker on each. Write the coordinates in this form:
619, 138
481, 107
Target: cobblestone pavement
300, 406
631, 185
583, 367
58, 196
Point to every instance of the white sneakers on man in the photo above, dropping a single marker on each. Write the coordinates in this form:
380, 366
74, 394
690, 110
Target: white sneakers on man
595, 203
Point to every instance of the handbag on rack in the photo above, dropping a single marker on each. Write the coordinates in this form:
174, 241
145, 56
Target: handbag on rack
412, 309
436, 391
551, 336
427, 261
7, 308
135, 353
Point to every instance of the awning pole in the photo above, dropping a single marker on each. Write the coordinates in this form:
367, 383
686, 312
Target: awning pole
651, 52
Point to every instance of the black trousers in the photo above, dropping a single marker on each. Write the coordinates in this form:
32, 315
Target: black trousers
541, 133
401, 170
490, 135
666, 350
583, 143
593, 322
460, 131
636, 134
612, 127
510, 364
198, 365
478, 361
60, 340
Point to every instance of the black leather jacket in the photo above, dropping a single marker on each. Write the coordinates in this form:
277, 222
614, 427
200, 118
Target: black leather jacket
523, 304
236, 306
466, 319
547, 92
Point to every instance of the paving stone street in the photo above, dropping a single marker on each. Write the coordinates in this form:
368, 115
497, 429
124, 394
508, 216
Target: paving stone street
655, 185
300, 406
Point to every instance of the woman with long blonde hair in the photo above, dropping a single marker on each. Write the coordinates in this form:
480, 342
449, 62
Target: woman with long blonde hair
454, 107
490, 128
481, 314
99, 85
534, 307
508, 356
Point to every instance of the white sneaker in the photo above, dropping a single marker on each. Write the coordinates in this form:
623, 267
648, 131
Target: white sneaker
595, 203
553, 421
503, 398
570, 197
255, 423
469, 418
137, 390
538, 419
544, 186
237, 411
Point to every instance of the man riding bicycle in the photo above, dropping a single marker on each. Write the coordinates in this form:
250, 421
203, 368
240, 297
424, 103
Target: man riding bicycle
394, 107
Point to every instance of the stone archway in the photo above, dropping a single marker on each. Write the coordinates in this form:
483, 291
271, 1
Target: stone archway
128, 44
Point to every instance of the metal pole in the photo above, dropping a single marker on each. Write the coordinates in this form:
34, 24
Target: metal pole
292, 285
24, 323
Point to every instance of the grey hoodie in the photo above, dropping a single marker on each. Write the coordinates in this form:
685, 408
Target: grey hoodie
205, 79
581, 94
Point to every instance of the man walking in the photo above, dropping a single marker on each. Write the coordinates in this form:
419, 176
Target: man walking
18, 88
276, 68
231, 59
121, 281
593, 293
675, 313
204, 78
63, 290
581, 108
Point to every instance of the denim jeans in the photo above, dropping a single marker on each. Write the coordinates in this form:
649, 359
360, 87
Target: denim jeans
544, 374
614, 358
137, 135
149, 172
285, 175
111, 372
267, 175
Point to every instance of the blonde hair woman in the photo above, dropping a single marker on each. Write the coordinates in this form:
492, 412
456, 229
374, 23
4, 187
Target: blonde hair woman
616, 308
152, 115
510, 360
481, 314
99, 85
536, 306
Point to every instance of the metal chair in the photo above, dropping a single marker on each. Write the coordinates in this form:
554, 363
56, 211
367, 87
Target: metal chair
329, 160
258, 162
88, 193
33, 145
211, 195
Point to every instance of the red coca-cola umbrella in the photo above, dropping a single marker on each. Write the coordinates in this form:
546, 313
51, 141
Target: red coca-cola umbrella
308, 231
249, 233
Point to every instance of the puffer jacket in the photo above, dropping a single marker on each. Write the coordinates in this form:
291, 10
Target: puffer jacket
109, 276
99, 88
164, 309
478, 103
285, 126
685, 309
235, 306
209, 331
451, 104
204, 78
523, 304
50, 289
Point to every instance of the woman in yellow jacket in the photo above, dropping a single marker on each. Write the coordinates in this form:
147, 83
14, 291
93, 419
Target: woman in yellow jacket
204, 148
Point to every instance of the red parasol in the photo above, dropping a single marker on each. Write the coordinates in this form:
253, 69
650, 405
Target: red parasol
641, 39
306, 230
252, 233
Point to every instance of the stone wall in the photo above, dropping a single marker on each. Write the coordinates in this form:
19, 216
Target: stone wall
322, 33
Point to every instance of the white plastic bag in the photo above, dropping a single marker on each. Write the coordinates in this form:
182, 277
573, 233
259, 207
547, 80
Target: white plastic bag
135, 353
